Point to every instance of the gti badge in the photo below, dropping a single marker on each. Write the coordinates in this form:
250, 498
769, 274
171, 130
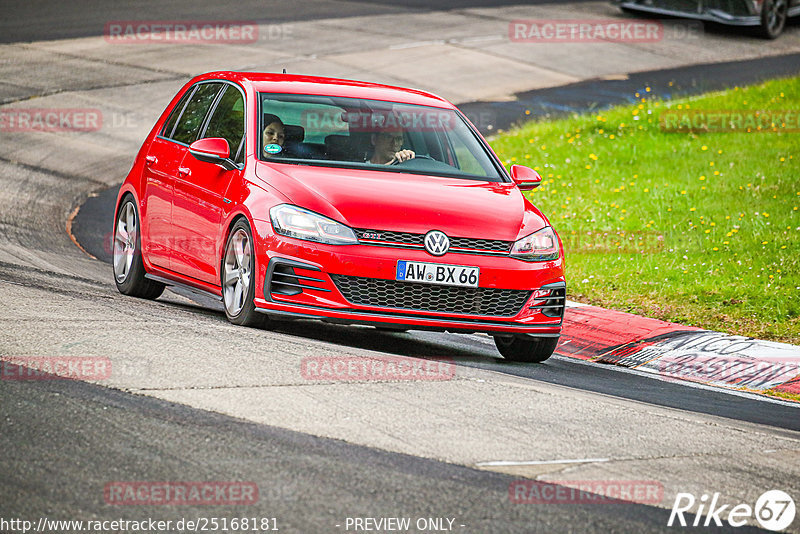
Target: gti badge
437, 243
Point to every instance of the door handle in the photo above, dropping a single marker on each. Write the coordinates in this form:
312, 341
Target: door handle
184, 171
151, 160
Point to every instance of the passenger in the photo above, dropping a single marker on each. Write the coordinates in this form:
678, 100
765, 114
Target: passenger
388, 146
274, 134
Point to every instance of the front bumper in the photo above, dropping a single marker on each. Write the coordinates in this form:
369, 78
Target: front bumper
743, 13
294, 282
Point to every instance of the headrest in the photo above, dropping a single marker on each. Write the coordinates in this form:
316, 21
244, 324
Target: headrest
294, 133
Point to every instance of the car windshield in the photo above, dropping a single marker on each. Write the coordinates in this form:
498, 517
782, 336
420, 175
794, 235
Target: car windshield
359, 133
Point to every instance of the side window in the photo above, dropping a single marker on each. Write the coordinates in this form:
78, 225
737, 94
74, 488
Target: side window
176, 112
192, 119
227, 121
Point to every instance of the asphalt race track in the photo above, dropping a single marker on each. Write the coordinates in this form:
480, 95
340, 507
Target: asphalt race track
192, 398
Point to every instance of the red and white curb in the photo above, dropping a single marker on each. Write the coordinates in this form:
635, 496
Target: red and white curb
677, 352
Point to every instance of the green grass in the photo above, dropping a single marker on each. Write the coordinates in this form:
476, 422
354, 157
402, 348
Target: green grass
781, 395
701, 229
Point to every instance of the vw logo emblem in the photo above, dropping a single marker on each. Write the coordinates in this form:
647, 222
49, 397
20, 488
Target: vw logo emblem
437, 243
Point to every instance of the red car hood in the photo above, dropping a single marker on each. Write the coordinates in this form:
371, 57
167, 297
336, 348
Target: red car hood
407, 202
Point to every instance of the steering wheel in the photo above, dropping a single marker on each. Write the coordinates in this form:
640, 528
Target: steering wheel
417, 156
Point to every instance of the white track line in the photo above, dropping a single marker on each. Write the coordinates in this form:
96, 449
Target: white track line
502, 463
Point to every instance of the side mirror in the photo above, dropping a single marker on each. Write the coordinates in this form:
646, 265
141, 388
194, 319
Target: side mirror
213, 150
525, 177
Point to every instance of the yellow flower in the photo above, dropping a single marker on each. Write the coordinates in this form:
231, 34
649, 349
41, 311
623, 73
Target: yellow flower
646, 190
704, 147
702, 177
593, 156
715, 249
612, 137
683, 193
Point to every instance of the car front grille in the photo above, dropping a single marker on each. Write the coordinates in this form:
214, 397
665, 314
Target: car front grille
410, 240
427, 297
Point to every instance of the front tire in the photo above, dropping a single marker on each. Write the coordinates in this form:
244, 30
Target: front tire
526, 349
238, 277
773, 18
127, 257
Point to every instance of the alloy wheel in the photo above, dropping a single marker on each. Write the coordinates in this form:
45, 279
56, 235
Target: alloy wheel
125, 241
236, 274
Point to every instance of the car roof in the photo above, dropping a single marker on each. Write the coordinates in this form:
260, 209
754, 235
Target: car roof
316, 85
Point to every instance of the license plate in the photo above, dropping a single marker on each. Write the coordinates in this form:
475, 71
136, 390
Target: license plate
437, 273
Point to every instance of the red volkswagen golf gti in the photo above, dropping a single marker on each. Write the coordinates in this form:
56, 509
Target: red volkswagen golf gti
296, 197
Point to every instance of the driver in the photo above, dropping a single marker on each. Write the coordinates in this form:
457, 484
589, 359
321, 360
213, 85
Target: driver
274, 134
388, 147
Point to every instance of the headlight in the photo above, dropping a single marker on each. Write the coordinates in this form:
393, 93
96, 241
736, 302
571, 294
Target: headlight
293, 221
539, 246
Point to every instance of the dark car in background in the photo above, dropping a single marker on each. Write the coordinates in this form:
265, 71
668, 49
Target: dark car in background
768, 16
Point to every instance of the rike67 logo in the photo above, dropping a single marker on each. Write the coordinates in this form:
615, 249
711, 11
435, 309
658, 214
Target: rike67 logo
774, 510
